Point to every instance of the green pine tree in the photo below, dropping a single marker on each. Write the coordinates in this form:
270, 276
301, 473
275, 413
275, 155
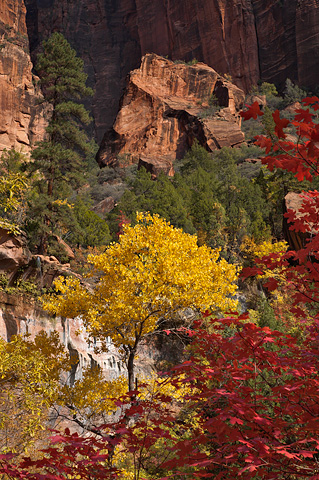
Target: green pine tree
58, 160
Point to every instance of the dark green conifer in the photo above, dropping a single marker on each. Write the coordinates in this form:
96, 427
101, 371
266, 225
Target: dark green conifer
59, 158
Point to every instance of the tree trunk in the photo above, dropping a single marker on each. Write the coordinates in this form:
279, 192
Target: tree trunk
130, 370
43, 245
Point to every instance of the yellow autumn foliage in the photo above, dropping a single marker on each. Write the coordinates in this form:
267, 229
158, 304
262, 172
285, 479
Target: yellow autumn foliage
153, 271
251, 248
30, 384
93, 395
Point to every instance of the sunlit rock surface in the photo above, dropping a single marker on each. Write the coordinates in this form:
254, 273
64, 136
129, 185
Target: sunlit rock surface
166, 107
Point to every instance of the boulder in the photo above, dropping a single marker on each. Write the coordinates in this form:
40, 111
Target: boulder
13, 253
17, 262
105, 206
166, 106
158, 165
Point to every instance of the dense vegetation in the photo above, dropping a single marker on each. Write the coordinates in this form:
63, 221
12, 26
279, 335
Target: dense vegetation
245, 400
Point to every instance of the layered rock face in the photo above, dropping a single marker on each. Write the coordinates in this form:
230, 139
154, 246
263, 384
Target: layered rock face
248, 39
288, 40
22, 119
21, 315
165, 107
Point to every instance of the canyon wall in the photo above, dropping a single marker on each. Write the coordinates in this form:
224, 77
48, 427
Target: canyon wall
22, 119
247, 39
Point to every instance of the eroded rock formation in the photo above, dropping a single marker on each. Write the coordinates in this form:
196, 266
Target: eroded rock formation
22, 118
165, 107
288, 37
20, 314
17, 262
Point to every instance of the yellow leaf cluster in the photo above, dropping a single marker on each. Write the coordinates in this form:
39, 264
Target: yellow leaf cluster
93, 395
250, 247
153, 271
30, 383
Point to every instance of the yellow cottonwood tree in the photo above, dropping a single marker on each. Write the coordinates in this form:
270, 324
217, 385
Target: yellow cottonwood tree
153, 271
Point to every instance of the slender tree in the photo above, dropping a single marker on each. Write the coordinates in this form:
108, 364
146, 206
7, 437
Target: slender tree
58, 159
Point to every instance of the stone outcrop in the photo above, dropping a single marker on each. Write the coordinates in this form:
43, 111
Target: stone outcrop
21, 315
105, 206
166, 107
13, 253
248, 40
22, 118
17, 262
288, 36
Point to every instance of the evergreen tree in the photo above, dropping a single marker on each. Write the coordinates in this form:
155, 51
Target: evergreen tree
147, 195
59, 158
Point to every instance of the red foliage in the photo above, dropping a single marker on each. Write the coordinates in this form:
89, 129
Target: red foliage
122, 220
252, 112
256, 392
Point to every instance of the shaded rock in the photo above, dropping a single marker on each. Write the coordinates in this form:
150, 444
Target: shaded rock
291, 109
105, 206
260, 99
13, 253
249, 40
288, 39
161, 110
157, 165
111, 37
17, 262
23, 118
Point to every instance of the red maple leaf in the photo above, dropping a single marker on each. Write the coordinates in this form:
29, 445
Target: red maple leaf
313, 145
312, 101
271, 284
281, 123
250, 272
303, 115
264, 142
252, 112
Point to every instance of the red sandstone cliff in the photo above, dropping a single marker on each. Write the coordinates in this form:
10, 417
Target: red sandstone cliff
248, 39
165, 107
22, 119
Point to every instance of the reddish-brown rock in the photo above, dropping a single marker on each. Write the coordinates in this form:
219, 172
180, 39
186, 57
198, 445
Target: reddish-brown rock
17, 262
288, 40
156, 166
13, 253
247, 39
112, 37
166, 107
105, 206
22, 118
